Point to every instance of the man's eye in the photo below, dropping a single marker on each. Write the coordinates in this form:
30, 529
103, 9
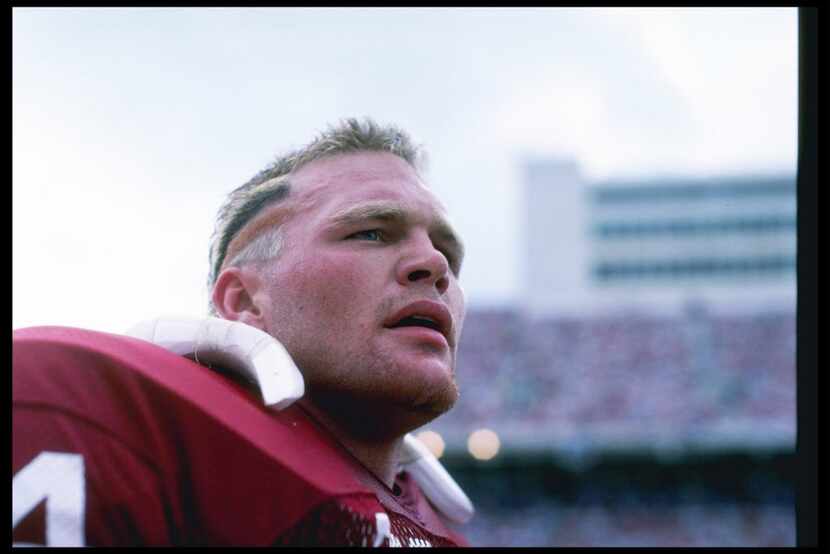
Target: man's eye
370, 234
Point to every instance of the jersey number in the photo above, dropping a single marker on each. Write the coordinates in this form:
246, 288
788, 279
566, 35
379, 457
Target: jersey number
58, 478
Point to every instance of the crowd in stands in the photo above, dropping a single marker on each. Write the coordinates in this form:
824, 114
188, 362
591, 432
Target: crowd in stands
686, 373
641, 374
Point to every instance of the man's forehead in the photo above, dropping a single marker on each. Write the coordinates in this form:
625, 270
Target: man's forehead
363, 185
367, 180
391, 209
354, 167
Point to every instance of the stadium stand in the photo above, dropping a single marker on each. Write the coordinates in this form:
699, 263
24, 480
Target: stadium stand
578, 390
634, 372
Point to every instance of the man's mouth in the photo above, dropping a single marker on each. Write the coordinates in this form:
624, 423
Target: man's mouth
426, 314
418, 321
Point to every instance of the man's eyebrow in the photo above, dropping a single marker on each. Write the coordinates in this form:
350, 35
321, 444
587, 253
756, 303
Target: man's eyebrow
391, 211
385, 211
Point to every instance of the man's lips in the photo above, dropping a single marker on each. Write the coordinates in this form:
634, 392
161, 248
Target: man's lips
424, 309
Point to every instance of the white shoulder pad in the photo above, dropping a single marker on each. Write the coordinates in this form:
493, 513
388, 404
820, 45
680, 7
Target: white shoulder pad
437, 484
234, 346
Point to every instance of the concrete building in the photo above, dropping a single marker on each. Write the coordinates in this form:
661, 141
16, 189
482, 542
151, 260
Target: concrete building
658, 244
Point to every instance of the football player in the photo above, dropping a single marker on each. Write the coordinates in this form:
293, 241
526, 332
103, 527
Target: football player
341, 254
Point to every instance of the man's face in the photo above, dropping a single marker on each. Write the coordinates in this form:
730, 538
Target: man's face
367, 253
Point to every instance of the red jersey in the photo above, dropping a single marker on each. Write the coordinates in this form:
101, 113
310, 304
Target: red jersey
117, 441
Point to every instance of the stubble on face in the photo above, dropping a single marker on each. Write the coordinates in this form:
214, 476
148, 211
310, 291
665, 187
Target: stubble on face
355, 373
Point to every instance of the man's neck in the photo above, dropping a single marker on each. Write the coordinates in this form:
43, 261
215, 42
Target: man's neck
380, 457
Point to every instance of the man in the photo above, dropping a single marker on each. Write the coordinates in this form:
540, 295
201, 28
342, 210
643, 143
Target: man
341, 253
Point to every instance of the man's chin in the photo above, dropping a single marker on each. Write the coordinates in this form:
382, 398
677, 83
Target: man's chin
437, 399
427, 385
427, 366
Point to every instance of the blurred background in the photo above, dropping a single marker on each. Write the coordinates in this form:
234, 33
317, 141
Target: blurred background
624, 180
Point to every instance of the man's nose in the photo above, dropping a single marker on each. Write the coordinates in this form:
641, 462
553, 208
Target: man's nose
423, 262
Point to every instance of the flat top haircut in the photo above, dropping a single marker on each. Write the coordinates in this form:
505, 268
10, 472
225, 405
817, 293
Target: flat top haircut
272, 184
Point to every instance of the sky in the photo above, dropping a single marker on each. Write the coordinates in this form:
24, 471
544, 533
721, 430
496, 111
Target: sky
131, 124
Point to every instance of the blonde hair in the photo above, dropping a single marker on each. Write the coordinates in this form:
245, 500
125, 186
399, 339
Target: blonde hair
272, 185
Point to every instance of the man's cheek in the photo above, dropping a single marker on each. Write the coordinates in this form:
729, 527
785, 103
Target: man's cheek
334, 289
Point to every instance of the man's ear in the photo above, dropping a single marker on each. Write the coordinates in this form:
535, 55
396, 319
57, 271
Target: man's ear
234, 296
